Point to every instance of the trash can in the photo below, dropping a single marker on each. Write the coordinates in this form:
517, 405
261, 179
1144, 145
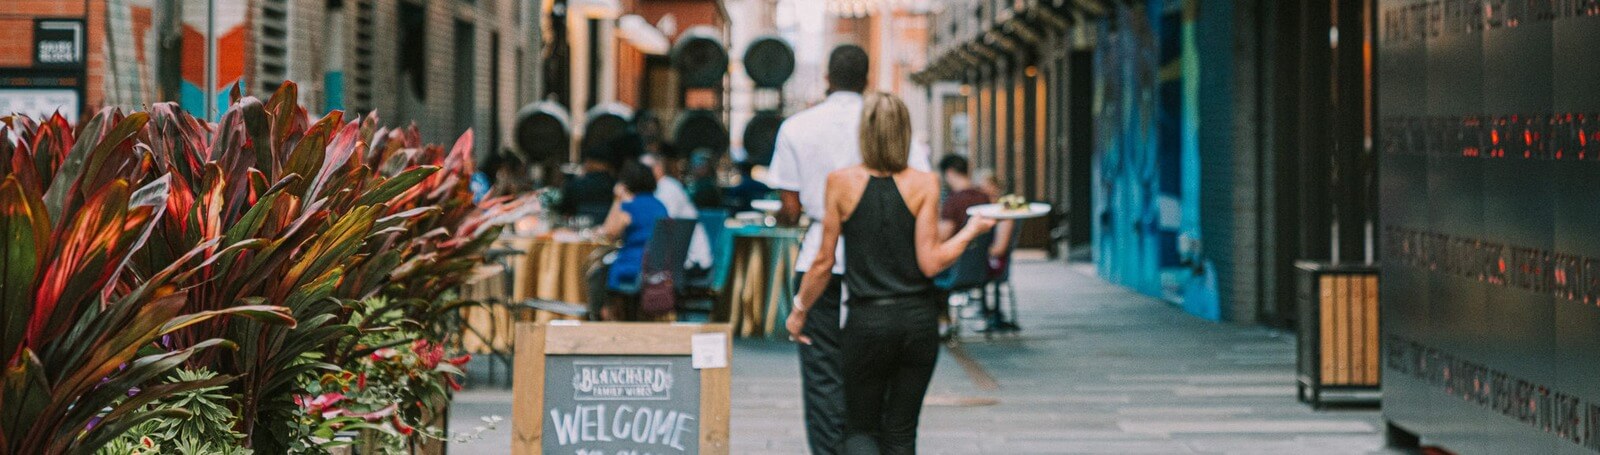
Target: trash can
1338, 333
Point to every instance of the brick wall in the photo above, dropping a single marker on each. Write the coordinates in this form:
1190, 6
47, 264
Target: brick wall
16, 37
305, 61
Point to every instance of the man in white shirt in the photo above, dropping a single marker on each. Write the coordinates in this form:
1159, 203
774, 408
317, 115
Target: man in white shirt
812, 144
672, 194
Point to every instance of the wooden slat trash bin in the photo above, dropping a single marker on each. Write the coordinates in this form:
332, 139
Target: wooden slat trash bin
1338, 333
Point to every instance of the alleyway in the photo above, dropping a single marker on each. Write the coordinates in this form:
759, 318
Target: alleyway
1097, 369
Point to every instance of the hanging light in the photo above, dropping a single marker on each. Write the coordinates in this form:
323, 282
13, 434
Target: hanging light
863, 8
853, 8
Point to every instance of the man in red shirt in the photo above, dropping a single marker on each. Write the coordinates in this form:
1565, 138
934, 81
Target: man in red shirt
963, 194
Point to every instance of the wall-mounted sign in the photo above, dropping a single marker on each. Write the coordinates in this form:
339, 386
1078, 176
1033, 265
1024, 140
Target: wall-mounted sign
621, 388
59, 43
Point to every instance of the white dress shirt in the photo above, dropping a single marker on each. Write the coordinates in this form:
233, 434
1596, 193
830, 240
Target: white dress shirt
812, 144
672, 195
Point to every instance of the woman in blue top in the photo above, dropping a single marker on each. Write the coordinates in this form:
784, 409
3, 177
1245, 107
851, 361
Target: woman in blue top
632, 220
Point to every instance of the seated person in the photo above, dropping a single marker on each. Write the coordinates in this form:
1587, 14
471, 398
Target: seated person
671, 192
589, 195
632, 221
964, 194
749, 189
703, 189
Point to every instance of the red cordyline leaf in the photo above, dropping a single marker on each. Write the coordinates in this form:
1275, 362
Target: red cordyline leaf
85, 244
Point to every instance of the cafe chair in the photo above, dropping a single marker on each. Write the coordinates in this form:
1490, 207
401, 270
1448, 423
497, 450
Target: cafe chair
702, 293
967, 278
1004, 292
666, 253
495, 305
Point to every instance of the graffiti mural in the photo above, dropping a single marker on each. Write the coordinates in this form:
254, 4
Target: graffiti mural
132, 45
1147, 156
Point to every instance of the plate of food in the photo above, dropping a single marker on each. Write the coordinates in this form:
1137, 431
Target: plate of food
1010, 207
766, 205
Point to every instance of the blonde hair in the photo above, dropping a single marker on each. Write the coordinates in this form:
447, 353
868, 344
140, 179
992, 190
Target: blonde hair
885, 133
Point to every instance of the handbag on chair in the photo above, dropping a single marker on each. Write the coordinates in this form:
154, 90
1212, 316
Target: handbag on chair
658, 294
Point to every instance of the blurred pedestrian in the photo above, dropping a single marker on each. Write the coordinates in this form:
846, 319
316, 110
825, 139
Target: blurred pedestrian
811, 144
890, 342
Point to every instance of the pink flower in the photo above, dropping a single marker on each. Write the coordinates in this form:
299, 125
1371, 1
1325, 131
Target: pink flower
385, 353
320, 404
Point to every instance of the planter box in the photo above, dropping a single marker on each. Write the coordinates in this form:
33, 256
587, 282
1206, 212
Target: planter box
1338, 333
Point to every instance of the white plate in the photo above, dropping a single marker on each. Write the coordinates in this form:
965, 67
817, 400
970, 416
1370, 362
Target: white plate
994, 211
766, 205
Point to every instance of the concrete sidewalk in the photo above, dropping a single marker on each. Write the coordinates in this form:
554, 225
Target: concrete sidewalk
1096, 369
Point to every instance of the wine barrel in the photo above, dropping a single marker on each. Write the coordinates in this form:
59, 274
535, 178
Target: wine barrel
700, 58
605, 123
697, 129
542, 132
769, 61
761, 137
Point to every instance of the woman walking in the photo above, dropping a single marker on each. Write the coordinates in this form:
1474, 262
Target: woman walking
889, 215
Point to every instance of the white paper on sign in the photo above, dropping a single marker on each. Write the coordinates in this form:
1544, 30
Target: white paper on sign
710, 350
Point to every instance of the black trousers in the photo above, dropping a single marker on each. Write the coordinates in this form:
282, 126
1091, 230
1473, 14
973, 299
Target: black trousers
598, 294
822, 373
890, 349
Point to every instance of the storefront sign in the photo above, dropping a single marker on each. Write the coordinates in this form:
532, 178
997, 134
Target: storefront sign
621, 389
58, 43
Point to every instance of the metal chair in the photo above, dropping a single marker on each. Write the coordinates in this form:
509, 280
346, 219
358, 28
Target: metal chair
968, 276
491, 334
667, 251
1004, 291
701, 296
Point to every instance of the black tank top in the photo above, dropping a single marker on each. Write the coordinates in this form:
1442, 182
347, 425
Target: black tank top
880, 247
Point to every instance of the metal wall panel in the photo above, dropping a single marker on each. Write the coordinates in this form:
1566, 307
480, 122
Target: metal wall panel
1490, 169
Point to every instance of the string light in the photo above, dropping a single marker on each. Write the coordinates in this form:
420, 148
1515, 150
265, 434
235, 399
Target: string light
863, 8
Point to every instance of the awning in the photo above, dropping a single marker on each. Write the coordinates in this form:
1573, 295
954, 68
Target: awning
643, 36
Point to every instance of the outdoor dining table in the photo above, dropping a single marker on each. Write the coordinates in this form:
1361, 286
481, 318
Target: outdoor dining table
547, 268
760, 293
553, 268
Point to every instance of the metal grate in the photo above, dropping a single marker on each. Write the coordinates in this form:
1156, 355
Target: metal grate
360, 89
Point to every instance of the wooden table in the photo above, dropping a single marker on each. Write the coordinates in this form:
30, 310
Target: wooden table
761, 291
548, 268
553, 269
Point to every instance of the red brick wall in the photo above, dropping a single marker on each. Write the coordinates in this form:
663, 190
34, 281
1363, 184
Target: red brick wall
16, 41
16, 36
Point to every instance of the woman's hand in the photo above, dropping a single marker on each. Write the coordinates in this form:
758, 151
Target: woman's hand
977, 225
796, 325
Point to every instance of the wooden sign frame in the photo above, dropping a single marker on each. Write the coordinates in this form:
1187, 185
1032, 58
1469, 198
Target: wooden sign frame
535, 341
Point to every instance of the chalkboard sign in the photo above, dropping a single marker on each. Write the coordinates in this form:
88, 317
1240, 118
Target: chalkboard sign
621, 388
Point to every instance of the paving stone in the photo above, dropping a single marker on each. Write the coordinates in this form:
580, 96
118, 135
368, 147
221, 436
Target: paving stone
1096, 370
